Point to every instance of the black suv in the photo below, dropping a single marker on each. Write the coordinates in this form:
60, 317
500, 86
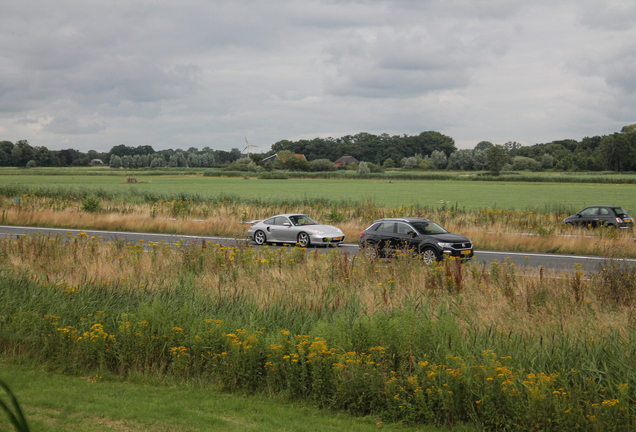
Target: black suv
431, 241
595, 216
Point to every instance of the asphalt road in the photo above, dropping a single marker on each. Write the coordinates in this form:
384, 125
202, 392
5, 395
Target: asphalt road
558, 263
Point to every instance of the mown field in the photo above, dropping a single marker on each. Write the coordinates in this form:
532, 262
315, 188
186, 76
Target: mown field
498, 347
464, 194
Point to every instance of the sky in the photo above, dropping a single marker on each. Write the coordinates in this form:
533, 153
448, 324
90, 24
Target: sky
91, 75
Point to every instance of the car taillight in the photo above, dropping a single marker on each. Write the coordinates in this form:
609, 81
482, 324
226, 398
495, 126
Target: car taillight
619, 220
362, 233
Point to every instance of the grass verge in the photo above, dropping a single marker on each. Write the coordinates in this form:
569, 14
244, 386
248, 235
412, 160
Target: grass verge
103, 402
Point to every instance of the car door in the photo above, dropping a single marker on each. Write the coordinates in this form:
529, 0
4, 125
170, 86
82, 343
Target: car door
384, 235
403, 236
589, 216
286, 230
279, 231
606, 216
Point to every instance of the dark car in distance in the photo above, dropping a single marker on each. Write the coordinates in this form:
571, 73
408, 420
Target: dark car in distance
387, 236
595, 216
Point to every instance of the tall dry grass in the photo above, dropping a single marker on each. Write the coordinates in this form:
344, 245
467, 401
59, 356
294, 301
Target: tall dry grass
488, 229
500, 296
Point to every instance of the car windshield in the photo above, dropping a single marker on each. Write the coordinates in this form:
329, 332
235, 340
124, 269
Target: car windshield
428, 228
620, 212
299, 220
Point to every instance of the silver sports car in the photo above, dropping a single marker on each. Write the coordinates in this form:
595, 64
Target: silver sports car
294, 228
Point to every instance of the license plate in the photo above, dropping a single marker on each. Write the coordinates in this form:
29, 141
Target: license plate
337, 238
629, 220
465, 252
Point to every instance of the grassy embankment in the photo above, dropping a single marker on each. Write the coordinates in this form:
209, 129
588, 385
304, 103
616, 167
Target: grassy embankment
499, 347
106, 402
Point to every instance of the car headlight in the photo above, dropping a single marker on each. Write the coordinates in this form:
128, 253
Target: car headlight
318, 232
445, 245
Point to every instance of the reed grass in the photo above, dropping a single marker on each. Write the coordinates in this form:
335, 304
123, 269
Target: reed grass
500, 346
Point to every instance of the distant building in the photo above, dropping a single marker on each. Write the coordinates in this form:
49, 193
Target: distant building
346, 160
96, 162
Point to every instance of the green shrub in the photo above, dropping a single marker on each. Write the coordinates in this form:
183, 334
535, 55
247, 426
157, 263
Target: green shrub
273, 176
91, 204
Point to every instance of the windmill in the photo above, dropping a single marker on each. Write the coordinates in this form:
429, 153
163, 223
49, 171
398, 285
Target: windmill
247, 147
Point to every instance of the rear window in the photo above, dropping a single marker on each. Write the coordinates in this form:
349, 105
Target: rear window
620, 212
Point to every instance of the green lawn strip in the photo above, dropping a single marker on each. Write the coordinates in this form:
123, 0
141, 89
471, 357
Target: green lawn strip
432, 193
53, 402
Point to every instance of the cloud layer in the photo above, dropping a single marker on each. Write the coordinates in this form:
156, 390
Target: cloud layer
91, 75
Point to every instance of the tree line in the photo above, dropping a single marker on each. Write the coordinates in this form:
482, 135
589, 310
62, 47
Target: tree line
22, 154
429, 150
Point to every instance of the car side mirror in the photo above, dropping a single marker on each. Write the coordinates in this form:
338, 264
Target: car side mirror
578, 214
412, 233
287, 224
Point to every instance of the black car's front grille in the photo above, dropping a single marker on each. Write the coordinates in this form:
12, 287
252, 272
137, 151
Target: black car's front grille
466, 245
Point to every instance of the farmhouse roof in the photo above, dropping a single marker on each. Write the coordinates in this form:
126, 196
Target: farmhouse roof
346, 160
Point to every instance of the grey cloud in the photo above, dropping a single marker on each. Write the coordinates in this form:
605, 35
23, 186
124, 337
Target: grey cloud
409, 62
71, 126
613, 16
621, 75
206, 73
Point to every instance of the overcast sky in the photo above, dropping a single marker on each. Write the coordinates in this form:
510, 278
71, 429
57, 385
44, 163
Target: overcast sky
195, 73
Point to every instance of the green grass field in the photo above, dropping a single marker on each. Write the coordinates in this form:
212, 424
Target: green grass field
465, 194
53, 402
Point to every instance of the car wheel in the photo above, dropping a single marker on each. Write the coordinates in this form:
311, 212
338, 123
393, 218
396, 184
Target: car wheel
259, 238
370, 251
429, 255
303, 240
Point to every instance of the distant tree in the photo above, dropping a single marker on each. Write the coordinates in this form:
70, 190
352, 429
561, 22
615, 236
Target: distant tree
115, 161
409, 162
497, 156
157, 161
16, 156
389, 163
287, 160
512, 147
363, 168
547, 161
31, 164
26, 153
322, 165
461, 160
480, 160
483, 146
83, 161
425, 164
616, 152
375, 168
629, 129
178, 159
121, 150
522, 163
127, 162
136, 161
439, 160
65, 157
42, 156
244, 164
